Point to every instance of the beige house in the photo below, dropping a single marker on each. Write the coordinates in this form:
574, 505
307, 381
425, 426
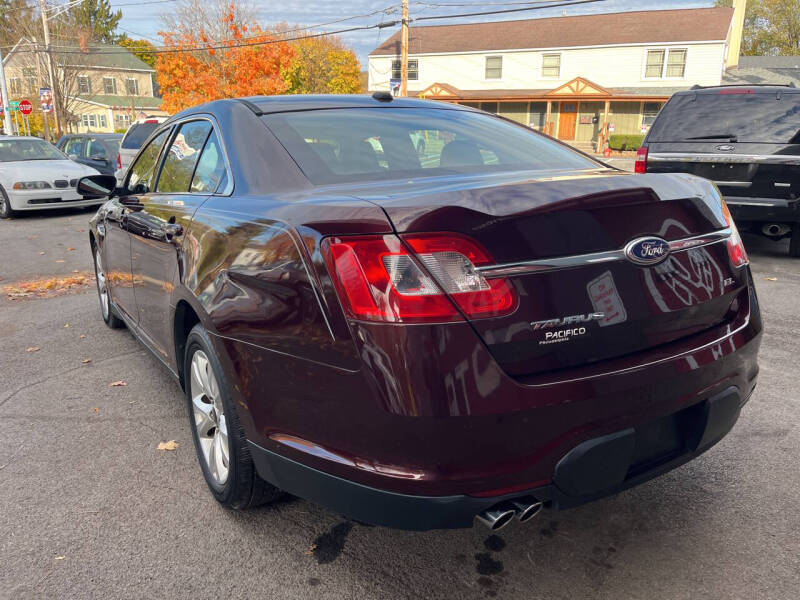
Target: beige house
579, 78
104, 87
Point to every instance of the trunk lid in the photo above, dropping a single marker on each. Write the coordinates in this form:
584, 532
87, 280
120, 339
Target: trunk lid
526, 216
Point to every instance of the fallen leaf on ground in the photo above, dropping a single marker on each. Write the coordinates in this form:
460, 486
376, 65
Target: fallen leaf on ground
70, 249
96, 409
32, 349
310, 551
170, 445
42, 253
82, 336
60, 557
59, 261
66, 324
771, 278
48, 286
86, 360
119, 383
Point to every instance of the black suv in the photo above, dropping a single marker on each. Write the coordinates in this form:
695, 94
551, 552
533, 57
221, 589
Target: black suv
98, 150
746, 139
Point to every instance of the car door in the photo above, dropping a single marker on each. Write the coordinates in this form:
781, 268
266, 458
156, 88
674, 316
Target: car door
157, 228
117, 243
95, 155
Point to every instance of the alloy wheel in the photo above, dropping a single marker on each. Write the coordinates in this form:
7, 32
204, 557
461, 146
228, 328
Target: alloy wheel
209, 417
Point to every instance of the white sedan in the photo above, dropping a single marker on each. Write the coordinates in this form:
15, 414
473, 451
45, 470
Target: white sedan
35, 175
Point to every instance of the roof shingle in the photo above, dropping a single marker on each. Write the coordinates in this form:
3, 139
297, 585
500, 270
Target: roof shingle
640, 27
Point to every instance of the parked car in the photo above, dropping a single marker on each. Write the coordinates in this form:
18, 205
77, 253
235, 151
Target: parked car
746, 139
414, 346
133, 139
98, 150
36, 175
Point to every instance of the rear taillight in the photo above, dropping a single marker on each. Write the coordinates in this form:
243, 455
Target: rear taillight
735, 246
119, 161
379, 279
640, 166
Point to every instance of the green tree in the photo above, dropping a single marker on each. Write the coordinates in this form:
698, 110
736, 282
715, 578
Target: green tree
142, 49
97, 19
322, 65
771, 27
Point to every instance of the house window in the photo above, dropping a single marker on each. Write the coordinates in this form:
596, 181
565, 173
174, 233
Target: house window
103, 121
110, 86
33, 85
650, 112
122, 121
15, 85
662, 63
83, 85
413, 69
89, 120
551, 65
494, 67
132, 87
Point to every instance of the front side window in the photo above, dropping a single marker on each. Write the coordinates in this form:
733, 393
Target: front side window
368, 144
551, 65
182, 157
83, 85
494, 67
141, 173
210, 168
413, 69
110, 86
73, 147
661, 63
95, 150
132, 87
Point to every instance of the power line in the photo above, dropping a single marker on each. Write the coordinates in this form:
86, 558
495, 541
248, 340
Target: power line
507, 10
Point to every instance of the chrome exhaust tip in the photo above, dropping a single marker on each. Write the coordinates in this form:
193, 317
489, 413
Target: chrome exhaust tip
526, 508
498, 516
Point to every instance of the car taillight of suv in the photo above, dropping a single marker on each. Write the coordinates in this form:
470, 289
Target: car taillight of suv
640, 166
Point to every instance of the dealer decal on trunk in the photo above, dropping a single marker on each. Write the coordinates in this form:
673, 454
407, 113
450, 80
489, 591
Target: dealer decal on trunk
564, 329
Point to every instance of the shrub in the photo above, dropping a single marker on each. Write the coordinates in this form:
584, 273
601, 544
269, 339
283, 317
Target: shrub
625, 142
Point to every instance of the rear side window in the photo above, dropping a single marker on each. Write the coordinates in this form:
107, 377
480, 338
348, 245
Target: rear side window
729, 115
137, 134
73, 146
350, 144
141, 173
182, 157
95, 149
210, 168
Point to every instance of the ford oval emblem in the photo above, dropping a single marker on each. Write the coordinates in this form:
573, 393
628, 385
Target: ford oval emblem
726, 148
647, 250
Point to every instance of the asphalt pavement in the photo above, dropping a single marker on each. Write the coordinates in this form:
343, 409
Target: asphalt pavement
90, 508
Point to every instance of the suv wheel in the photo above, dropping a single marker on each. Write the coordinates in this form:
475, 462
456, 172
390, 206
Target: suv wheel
219, 438
6, 212
794, 241
106, 309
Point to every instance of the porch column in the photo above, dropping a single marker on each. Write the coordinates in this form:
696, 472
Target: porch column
547, 117
604, 129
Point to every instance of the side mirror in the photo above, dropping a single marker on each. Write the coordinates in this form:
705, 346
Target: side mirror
97, 185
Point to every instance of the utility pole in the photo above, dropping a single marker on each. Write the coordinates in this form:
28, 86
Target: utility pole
45, 124
403, 50
56, 98
4, 93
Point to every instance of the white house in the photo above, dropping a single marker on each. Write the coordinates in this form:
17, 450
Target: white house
570, 75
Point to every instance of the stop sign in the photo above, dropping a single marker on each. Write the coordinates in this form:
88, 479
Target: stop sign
25, 107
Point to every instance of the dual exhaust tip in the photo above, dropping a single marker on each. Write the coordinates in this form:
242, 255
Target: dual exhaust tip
500, 515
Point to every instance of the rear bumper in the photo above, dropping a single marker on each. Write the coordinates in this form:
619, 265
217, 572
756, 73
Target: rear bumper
746, 209
595, 468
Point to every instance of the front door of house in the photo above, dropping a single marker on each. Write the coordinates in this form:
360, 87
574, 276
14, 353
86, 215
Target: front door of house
566, 120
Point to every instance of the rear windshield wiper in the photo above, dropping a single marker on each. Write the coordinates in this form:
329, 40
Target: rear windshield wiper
719, 136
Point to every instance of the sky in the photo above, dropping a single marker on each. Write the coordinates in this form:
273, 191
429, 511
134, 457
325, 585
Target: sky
143, 20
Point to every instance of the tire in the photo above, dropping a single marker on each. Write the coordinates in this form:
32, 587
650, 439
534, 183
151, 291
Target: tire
215, 426
794, 241
106, 308
6, 212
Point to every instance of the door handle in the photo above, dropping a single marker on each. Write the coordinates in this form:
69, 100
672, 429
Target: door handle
172, 230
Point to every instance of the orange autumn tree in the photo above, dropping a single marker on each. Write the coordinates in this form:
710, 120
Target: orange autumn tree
250, 61
322, 65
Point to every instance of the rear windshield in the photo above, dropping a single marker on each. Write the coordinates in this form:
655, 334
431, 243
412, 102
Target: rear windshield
729, 116
349, 144
137, 134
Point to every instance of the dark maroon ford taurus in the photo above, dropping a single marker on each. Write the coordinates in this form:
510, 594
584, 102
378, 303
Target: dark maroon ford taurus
416, 314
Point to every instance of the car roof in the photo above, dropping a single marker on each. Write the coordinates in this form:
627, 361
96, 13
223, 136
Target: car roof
20, 137
756, 89
105, 136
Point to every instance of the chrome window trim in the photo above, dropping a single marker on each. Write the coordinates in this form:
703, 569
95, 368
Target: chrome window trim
582, 260
777, 159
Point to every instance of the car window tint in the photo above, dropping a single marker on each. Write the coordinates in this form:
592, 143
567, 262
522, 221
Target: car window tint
210, 167
749, 117
137, 134
182, 157
141, 173
338, 145
95, 149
